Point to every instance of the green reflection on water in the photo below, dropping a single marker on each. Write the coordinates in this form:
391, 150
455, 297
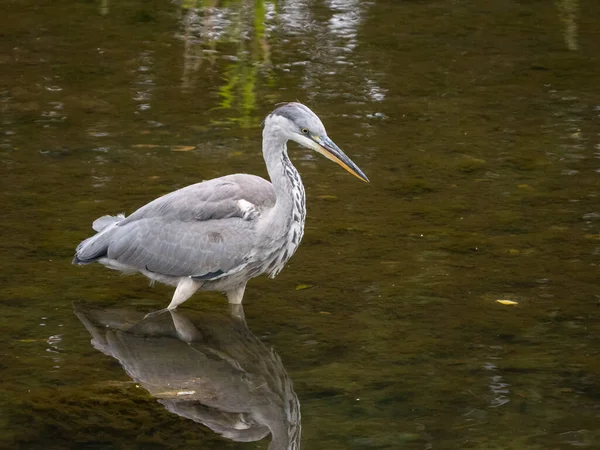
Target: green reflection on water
249, 61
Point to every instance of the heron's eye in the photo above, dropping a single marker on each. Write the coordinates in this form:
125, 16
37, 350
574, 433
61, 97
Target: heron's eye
304, 130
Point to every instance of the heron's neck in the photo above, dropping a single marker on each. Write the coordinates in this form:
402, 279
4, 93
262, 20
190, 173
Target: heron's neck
289, 190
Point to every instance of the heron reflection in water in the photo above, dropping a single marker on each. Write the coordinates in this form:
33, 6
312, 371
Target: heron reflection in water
218, 234
211, 370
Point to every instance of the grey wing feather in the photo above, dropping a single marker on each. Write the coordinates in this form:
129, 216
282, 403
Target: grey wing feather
183, 249
193, 231
212, 199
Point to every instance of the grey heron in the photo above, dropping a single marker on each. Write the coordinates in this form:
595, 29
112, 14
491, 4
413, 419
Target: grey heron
218, 234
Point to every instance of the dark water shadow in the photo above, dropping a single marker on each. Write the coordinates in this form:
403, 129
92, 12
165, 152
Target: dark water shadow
212, 370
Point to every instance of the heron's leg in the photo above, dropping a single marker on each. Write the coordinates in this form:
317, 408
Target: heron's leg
237, 311
185, 289
186, 330
236, 295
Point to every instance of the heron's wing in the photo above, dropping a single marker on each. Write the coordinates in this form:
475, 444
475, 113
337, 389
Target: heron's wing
213, 199
204, 230
203, 249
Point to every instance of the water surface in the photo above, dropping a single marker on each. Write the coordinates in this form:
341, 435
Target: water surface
478, 125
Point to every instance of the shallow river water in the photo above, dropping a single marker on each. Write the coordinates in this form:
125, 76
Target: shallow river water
452, 303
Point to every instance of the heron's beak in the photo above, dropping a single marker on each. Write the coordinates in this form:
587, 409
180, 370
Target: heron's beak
327, 148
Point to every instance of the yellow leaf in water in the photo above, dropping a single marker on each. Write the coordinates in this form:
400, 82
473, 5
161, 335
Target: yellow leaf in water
145, 146
507, 302
304, 286
327, 197
325, 313
183, 148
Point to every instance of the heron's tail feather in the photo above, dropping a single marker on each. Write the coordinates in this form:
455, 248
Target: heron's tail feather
95, 247
102, 222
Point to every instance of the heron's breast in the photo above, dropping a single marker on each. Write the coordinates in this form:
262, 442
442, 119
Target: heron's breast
291, 241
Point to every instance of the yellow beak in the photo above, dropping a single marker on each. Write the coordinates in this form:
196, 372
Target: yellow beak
327, 148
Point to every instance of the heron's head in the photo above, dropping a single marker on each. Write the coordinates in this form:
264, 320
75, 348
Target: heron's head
298, 123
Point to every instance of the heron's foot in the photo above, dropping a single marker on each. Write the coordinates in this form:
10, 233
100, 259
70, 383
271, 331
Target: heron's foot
155, 313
